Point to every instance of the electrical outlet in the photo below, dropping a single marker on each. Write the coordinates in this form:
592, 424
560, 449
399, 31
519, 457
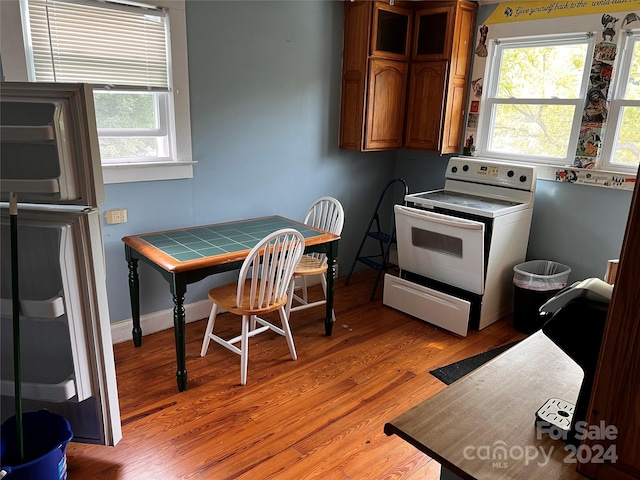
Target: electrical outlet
118, 215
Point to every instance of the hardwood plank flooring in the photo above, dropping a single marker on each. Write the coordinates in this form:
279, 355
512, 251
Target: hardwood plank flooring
320, 417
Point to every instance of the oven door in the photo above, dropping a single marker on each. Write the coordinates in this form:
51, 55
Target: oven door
441, 247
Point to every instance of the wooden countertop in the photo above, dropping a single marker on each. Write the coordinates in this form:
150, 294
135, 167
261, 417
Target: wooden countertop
493, 409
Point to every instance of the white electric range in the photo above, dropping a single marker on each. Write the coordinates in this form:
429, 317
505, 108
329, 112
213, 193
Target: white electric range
457, 246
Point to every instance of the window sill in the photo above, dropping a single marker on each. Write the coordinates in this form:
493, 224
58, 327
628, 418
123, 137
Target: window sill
585, 176
146, 172
582, 176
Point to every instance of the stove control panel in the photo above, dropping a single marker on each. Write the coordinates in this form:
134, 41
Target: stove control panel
491, 172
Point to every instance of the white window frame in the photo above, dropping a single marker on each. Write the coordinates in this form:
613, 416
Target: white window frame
631, 38
180, 165
489, 98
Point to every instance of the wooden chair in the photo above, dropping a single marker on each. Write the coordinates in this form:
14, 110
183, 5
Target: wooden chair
327, 214
263, 284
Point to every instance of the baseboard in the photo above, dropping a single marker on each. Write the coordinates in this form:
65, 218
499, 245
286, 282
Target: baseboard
157, 321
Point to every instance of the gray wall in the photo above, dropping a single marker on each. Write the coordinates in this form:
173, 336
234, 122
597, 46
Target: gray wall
577, 225
265, 96
580, 226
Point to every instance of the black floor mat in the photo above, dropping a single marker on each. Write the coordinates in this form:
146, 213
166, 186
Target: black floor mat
450, 373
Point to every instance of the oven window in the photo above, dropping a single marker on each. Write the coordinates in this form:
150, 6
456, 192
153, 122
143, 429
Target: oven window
436, 242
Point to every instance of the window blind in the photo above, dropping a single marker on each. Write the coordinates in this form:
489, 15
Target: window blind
105, 44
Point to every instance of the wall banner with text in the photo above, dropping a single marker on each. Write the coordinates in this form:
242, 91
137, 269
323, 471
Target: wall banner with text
518, 11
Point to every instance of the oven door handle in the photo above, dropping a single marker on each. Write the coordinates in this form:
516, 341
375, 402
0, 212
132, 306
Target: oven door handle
439, 218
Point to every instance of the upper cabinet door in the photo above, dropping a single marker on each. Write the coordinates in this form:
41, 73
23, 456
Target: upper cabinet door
433, 33
423, 130
385, 104
391, 31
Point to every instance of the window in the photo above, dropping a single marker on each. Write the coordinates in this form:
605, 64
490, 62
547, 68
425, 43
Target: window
621, 149
125, 51
132, 126
534, 98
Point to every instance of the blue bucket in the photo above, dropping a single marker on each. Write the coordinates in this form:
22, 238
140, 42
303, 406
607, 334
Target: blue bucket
45, 438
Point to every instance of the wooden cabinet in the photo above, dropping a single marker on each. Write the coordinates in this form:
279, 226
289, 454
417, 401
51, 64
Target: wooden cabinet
377, 39
439, 76
405, 74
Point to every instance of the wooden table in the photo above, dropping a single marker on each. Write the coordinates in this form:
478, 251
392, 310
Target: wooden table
185, 256
495, 407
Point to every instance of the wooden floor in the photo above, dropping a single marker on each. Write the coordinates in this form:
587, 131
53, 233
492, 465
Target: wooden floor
321, 416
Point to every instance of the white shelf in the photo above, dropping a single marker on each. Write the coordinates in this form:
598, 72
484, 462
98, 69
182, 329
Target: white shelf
46, 392
44, 187
38, 384
27, 133
51, 308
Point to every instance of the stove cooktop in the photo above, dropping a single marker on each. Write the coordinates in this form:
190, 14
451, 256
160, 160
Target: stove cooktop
481, 187
464, 200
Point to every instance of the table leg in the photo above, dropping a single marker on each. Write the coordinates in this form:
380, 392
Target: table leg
331, 274
446, 474
134, 295
179, 330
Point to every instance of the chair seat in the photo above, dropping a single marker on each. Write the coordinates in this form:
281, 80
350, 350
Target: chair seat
225, 297
310, 265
